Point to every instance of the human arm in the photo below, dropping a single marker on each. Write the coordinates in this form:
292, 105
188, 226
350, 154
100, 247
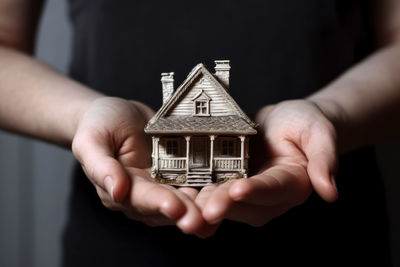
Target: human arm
301, 138
363, 103
36, 100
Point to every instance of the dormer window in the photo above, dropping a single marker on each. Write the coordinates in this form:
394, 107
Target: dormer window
201, 104
201, 108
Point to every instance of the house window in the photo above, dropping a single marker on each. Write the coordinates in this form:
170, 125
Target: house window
228, 147
201, 104
172, 147
201, 108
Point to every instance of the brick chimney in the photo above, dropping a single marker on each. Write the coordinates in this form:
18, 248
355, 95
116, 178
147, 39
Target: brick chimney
167, 81
222, 69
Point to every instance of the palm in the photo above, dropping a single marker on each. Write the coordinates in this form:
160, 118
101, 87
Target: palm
120, 123
294, 151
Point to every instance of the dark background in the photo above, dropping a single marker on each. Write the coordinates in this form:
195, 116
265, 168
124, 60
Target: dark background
35, 177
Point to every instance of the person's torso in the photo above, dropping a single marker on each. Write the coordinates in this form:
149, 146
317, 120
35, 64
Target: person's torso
278, 49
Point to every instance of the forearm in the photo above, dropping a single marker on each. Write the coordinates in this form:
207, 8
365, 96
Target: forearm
364, 103
38, 101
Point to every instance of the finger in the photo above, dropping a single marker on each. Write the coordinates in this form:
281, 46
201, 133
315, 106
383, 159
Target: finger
209, 229
193, 220
106, 199
158, 219
150, 198
320, 151
218, 203
254, 215
204, 195
95, 154
281, 184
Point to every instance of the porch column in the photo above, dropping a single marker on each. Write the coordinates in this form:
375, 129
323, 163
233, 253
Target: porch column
187, 152
212, 138
242, 138
156, 152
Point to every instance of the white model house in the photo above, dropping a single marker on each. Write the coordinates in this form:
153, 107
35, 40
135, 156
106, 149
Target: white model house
200, 134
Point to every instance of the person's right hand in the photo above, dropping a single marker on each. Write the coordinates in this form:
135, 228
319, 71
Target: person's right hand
114, 153
295, 152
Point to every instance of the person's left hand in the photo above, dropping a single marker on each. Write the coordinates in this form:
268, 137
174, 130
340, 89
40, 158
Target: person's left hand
115, 154
296, 151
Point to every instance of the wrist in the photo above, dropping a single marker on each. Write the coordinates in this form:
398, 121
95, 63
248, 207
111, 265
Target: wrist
339, 118
77, 109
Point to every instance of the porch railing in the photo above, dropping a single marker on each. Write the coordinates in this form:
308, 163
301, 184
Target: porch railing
227, 164
220, 164
172, 163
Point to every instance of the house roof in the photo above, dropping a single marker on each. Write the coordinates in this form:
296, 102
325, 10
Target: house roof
201, 125
161, 123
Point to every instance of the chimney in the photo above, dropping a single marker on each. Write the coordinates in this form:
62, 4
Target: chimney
167, 81
222, 71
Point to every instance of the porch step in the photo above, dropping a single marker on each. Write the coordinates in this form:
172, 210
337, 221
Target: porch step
198, 179
199, 173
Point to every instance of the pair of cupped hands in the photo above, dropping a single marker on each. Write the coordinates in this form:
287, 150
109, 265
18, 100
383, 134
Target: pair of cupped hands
295, 152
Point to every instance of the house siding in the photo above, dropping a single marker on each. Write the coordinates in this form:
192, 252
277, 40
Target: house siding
218, 104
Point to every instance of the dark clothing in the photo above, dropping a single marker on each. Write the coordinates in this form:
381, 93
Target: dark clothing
278, 50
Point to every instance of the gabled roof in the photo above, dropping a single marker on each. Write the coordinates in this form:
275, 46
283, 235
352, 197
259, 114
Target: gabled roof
198, 70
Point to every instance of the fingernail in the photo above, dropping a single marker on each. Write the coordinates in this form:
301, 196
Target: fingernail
109, 185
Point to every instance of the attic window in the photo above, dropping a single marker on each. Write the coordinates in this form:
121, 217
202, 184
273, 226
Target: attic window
202, 108
201, 104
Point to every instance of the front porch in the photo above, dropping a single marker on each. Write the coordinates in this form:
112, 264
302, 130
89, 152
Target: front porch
199, 160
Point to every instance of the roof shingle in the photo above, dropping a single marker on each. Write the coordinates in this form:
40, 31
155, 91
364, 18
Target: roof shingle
200, 125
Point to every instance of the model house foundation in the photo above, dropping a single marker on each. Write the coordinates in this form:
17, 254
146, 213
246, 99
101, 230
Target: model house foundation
200, 134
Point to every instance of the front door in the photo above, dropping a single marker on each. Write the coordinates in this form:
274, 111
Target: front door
199, 152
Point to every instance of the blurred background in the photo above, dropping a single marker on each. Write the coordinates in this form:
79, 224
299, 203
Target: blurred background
35, 177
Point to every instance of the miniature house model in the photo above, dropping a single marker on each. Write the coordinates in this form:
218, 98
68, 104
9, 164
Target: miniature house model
200, 134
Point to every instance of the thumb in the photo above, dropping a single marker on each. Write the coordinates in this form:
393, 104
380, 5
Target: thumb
322, 162
96, 156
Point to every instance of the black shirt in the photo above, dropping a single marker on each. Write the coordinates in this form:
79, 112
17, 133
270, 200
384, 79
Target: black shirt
278, 50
